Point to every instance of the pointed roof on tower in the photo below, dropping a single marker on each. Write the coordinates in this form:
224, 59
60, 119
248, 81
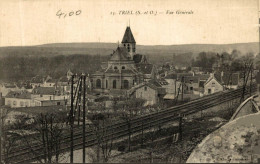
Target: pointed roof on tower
128, 36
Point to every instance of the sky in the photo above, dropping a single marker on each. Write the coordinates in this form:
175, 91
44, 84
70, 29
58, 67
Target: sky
35, 22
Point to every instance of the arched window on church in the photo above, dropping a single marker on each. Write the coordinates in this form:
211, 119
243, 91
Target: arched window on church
114, 84
126, 84
128, 47
133, 49
124, 45
98, 83
115, 67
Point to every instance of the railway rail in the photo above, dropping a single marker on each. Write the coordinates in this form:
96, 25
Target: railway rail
139, 123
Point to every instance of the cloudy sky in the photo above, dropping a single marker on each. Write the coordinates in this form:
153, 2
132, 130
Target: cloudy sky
34, 22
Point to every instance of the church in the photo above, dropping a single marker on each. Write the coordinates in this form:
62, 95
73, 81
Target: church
124, 69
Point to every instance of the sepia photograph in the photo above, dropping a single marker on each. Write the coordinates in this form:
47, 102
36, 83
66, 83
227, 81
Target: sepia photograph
129, 81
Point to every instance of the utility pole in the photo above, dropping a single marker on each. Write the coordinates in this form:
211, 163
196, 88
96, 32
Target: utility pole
79, 98
71, 120
84, 119
180, 126
251, 81
1, 133
182, 89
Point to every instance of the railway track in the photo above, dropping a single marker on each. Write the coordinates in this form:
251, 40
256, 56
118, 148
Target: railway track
138, 124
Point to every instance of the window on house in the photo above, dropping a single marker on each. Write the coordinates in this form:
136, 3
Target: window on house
123, 67
98, 83
133, 49
26, 104
21, 103
14, 103
191, 88
115, 67
9, 102
209, 91
58, 103
114, 84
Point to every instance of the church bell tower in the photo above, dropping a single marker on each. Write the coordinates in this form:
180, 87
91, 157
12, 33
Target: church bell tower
129, 41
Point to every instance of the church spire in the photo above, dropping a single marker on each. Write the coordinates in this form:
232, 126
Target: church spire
128, 36
129, 41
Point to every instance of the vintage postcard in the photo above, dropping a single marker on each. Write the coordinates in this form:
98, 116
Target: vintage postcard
139, 81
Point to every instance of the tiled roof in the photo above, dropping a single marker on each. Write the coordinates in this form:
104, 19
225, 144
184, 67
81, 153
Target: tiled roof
120, 54
228, 78
163, 82
152, 84
137, 58
145, 68
204, 77
128, 36
44, 90
155, 83
171, 76
19, 95
180, 75
189, 79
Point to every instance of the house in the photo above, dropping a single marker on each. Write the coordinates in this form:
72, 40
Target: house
48, 92
63, 84
191, 84
124, 69
17, 99
152, 92
228, 80
5, 88
49, 82
37, 81
50, 101
212, 85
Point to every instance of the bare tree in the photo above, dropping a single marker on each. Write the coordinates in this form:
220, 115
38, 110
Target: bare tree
50, 129
103, 136
7, 140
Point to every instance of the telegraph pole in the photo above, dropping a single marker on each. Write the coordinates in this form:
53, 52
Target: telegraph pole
71, 121
182, 89
84, 119
180, 126
1, 133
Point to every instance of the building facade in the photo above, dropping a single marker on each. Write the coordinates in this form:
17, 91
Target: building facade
124, 69
212, 85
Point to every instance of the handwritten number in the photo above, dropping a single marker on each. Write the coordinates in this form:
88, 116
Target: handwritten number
78, 12
71, 13
59, 13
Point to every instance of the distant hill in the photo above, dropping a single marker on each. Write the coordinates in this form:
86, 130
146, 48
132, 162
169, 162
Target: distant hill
107, 48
